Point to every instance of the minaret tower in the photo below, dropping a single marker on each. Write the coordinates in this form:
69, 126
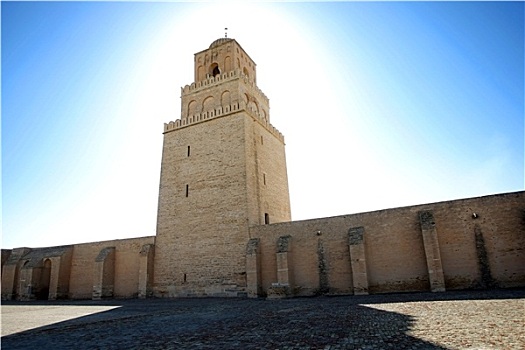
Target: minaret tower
223, 170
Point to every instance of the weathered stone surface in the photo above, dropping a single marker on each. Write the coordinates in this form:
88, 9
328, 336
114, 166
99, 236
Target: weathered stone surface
146, 269
426, 219
483, 260
356, 245
432, 251
356, 235
104, 274
324, 284
253, 269
284, 266
283, 244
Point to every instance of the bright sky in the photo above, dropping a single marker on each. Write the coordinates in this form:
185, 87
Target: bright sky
381, 104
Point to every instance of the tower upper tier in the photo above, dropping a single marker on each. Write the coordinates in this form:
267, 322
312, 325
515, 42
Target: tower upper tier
225, 83
224, 55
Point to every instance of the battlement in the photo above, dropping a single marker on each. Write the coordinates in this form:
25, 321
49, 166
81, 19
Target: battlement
221, 78
219, 112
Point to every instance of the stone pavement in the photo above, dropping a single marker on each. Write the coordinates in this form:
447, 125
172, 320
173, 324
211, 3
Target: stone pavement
451, 320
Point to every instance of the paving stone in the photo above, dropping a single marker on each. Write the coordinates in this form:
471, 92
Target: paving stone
452, 320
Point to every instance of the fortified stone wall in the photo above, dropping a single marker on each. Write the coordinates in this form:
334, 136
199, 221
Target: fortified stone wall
469, 243
107, 269
118, 268
37, 273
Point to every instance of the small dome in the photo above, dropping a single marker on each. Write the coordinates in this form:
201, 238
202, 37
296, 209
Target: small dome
220, 42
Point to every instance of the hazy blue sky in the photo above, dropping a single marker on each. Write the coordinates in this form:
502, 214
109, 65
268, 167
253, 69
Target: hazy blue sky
381, 104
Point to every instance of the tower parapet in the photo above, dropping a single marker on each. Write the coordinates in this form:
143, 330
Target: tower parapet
219, 92
222, 111
218, 79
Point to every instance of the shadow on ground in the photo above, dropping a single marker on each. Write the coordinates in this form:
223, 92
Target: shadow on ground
302, 323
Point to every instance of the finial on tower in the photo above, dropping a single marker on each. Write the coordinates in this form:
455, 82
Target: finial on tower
225, 32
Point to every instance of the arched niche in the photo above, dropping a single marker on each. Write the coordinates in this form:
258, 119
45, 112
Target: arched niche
192, 108
253, 105
18, 286
226, 98
208, 104
227, 64
45, 281
201, 75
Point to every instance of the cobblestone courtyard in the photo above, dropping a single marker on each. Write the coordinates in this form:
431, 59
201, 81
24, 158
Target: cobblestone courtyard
451, 320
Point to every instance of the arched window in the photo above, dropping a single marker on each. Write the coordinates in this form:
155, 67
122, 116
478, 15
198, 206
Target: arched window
214, 70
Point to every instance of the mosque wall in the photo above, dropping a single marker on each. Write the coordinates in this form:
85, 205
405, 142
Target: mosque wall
474, 243
461, 244
82, 271
121, 280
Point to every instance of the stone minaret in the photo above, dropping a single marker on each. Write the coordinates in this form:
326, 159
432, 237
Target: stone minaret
223, 170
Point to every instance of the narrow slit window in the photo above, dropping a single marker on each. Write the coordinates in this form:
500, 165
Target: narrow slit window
188, 151
262, 140
264, 178
184, 278
266, 218
187, 190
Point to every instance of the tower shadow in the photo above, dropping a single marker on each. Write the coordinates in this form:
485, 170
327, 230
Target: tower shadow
304, 323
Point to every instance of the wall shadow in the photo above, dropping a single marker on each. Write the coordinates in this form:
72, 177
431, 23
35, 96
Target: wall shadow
306, 323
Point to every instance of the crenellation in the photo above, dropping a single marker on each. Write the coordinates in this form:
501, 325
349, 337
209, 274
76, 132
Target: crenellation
221, 112
226, 77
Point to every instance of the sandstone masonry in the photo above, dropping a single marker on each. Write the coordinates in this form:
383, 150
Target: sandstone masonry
224, 228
